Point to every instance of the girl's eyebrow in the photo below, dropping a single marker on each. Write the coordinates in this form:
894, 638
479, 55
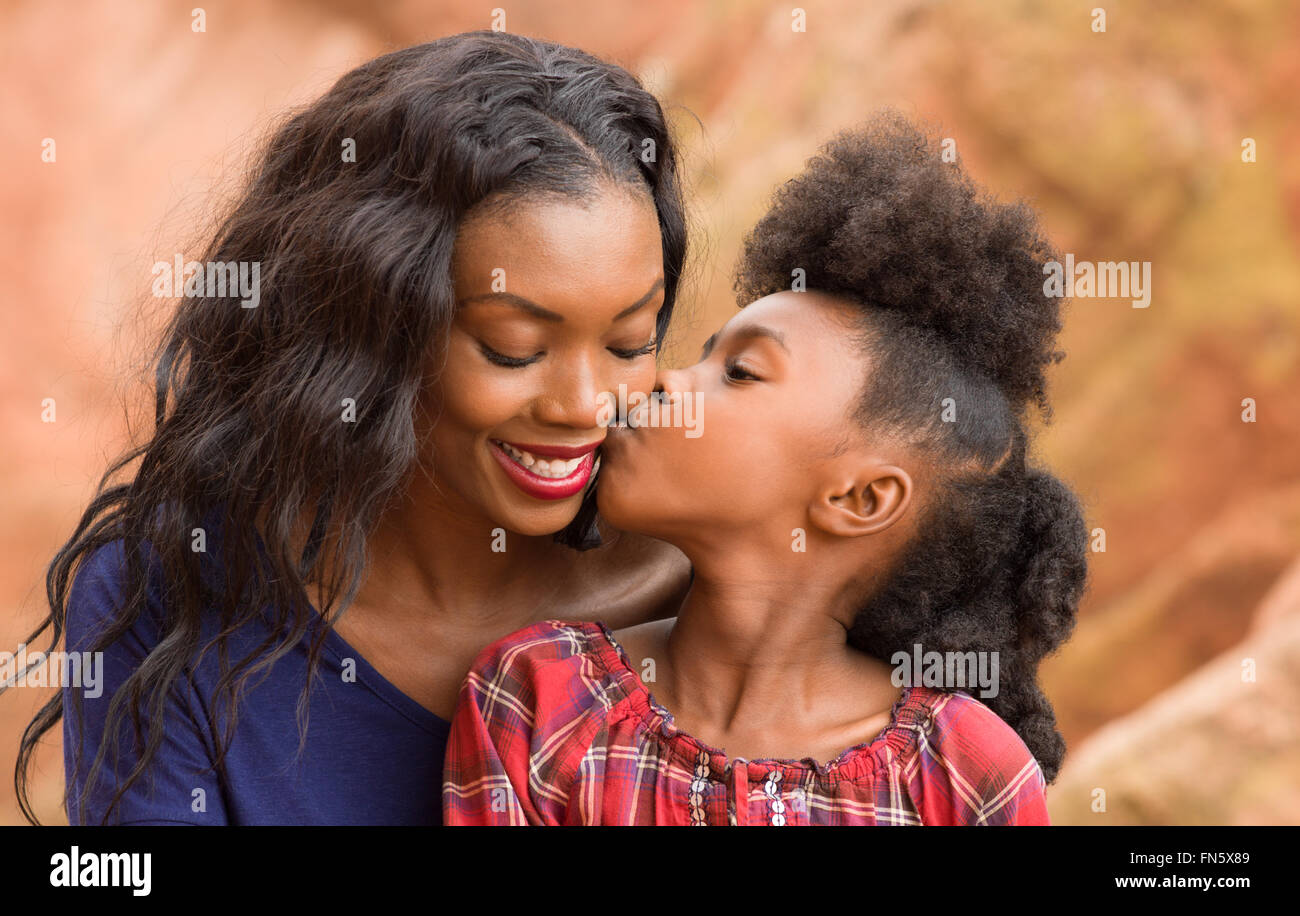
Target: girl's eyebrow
746, 333
545, 314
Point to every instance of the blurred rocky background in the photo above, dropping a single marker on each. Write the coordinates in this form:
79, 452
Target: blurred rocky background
1178, 695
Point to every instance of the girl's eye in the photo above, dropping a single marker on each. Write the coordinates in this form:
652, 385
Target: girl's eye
633, 354
734, 371
509, 362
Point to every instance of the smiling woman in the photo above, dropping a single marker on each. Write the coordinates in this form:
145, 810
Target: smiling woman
557, 304
498, 254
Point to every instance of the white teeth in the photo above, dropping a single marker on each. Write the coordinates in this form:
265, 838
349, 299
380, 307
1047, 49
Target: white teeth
554, 468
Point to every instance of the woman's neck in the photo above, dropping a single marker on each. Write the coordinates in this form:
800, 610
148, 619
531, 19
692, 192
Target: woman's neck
430, 560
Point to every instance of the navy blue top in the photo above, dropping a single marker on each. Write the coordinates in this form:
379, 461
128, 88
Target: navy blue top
372, 754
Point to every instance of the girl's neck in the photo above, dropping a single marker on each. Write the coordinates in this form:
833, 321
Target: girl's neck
754, 644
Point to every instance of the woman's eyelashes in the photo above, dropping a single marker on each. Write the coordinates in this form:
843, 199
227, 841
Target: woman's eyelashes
519, 362
508, 362
644, 349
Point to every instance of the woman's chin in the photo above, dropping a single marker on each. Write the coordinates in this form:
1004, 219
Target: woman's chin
539, 521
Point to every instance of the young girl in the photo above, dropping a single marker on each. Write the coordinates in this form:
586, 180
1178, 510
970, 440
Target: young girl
859, 490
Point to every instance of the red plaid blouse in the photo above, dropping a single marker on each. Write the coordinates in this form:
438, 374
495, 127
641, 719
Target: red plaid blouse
554, 726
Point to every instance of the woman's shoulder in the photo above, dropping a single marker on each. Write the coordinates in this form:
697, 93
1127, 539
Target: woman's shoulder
98, 594
122, 584
630, 580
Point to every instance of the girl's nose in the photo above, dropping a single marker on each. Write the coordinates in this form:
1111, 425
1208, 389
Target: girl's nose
669, 381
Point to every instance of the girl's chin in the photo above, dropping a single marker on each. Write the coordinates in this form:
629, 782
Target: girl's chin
613, 510
622, 513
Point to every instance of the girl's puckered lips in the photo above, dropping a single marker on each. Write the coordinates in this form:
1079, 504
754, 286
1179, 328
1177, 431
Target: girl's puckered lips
546, 471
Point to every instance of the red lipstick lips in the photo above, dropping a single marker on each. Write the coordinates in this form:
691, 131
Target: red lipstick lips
541, 487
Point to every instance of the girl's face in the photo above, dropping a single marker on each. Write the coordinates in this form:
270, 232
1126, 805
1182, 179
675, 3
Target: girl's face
776, 387
556, 305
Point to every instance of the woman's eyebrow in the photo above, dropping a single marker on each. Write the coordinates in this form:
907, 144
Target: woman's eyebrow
546, 314
658, 285
746, 333
518, 302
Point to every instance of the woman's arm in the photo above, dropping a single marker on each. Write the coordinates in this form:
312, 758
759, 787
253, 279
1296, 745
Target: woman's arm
179, 787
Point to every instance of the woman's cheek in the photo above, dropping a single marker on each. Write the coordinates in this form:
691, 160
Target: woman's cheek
480, 397
632, 375
642, 374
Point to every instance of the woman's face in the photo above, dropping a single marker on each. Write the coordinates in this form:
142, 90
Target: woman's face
776, 387
556, 305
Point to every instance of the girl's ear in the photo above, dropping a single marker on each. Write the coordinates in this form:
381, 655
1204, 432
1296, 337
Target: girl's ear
865, 502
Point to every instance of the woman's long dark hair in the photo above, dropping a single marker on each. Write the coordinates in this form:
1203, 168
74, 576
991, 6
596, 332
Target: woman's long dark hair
355, 293
952, 312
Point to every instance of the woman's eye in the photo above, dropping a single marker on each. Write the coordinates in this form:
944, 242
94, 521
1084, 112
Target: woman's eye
509, 362
633, 354
735, 372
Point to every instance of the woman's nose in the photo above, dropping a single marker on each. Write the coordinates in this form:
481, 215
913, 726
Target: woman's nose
573, 397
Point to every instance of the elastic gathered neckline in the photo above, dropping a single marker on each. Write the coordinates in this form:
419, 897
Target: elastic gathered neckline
908, 717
